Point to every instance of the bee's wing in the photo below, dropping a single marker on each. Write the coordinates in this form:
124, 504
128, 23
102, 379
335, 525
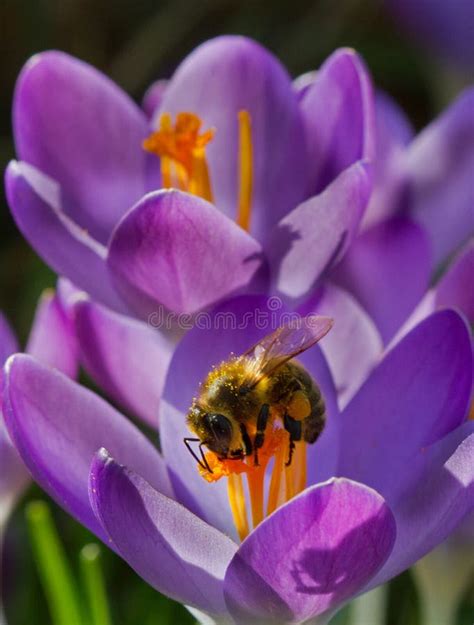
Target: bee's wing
289, 340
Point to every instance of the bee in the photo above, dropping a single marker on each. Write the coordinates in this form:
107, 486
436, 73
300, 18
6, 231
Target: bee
242, 395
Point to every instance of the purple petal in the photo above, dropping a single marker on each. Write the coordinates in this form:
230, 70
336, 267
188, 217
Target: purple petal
393, 126
338, 111
311, 555
456, 287
169, 547
52, 338
454, 290
153, 97
8, 340
232, 327
78, 127
418, 394
353, 346
127, 358
435, 504
178, 250
34, 200
440, 162
302, 83
318, 232
387, 269
222, 77
394, 133
13, 474
57, 426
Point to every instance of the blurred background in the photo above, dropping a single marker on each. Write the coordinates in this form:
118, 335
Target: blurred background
136, 43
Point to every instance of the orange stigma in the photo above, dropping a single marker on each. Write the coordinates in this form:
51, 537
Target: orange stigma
182, 150
248, 510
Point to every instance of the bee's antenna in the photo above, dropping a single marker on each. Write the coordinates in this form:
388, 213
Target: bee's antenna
202, 463
204, 459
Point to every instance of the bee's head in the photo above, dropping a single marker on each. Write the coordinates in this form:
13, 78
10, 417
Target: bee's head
215, 430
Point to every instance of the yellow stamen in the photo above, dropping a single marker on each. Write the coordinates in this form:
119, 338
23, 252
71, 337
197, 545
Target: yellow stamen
165, 126
182, 152
290, 481
200, 183
276, 494
183, 147
255, 480
276, 446
300, 467
235, 491
245, 171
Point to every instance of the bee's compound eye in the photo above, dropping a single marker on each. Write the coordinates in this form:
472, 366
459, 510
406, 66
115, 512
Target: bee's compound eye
220, 426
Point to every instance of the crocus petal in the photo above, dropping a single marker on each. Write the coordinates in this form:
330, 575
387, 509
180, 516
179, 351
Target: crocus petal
8, 340
35, 203
78, 127
153, 97
441, 497
456, 287
394, 133
418, 394
454, 290
441, 161
127, 358
222, 77
230, 328
387, 269
13, 474
168, 546
353, 346
303, 82
57, 426
338, 111
52, 338
311, 555
178, 250
318, 232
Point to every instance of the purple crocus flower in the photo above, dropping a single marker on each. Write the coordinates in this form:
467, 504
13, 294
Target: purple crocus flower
419, 215
229, 128
388, 480
52, 341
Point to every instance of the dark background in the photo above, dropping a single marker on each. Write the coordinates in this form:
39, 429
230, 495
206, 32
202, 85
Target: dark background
136, 43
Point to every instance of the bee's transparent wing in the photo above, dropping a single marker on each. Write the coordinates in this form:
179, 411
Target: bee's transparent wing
289, 340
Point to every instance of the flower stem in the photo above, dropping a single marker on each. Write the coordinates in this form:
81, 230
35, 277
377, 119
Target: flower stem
369, 609
441, 578
94, 585
53, 568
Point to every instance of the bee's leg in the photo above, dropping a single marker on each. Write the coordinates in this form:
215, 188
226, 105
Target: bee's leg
262, 420
246, 440
293, 427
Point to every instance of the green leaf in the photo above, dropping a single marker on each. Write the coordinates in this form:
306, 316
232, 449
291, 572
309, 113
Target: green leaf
53, 568
94, 586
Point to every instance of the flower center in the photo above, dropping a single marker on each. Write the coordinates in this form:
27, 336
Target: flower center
182, 150
286, 481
